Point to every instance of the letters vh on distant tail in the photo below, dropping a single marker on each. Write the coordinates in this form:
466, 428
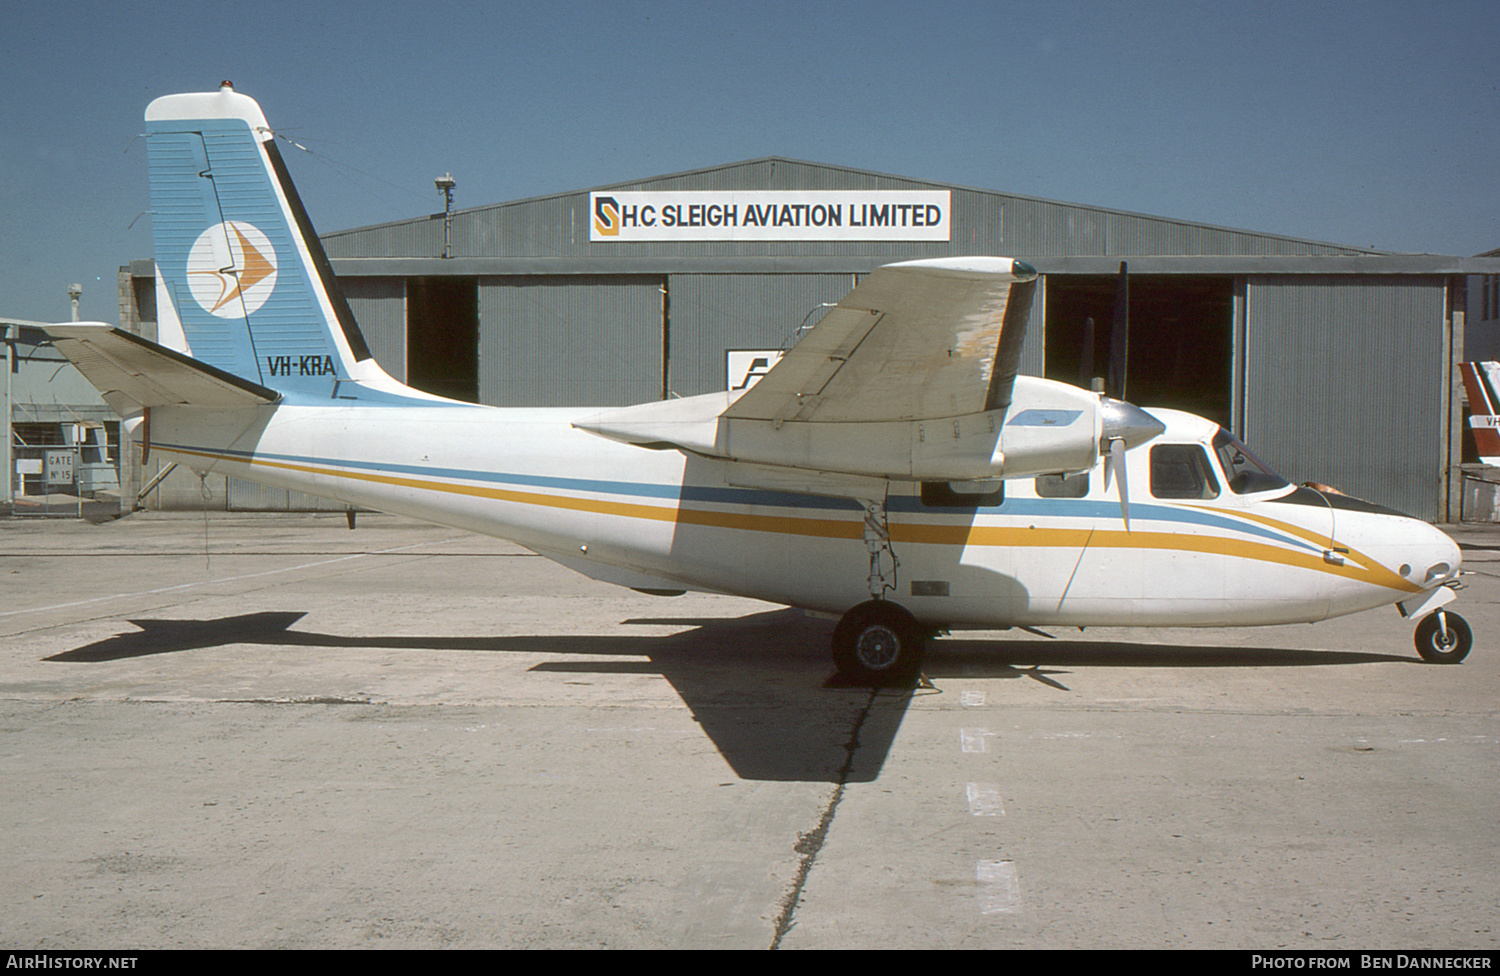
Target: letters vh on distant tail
1482, 386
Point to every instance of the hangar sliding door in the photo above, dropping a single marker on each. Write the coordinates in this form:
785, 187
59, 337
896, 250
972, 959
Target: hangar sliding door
379, 307
570, 340
1344, 383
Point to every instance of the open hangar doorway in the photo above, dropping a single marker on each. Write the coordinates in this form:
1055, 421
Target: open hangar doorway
1180, 349
442, 336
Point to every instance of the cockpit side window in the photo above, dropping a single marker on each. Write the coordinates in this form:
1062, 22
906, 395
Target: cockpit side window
1182, 471
1246, 472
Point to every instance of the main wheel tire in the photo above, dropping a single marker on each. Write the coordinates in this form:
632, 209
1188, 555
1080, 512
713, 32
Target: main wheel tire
1431, 644
878, 643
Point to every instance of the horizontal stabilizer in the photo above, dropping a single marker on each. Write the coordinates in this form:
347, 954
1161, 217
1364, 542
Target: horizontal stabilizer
122, 365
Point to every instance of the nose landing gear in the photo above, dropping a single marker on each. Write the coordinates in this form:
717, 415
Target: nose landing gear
1443, 638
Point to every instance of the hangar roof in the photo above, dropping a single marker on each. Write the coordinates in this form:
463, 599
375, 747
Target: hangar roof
551, 235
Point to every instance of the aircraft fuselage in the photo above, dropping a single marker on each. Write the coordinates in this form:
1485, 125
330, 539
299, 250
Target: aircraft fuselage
1037, 553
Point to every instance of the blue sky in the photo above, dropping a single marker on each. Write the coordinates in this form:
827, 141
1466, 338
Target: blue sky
1373, 123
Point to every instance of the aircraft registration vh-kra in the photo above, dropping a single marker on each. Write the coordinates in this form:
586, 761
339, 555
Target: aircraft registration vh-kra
892, 468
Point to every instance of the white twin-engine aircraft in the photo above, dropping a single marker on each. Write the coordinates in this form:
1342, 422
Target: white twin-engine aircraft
891, 468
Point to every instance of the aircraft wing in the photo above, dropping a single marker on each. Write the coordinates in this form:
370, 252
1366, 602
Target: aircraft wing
128, 369
911, 376
919, 340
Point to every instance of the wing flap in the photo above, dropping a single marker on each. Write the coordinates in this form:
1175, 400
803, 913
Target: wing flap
123, 365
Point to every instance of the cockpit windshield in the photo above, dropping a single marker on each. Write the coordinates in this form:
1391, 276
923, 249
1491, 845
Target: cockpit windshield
1246, 472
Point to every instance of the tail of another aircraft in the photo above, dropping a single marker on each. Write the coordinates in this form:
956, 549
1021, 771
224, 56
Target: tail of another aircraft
1481, 381
243, 284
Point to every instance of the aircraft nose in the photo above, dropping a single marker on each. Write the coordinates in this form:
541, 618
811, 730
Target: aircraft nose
1427, 556
1418, 552
1440, 558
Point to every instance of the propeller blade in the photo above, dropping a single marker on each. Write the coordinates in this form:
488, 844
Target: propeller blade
1119, 335
1117, 461
1086, 355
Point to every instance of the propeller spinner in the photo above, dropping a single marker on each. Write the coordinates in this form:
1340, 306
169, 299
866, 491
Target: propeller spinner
1125, 425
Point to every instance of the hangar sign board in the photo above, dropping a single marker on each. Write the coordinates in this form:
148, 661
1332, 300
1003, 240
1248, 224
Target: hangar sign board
770, 215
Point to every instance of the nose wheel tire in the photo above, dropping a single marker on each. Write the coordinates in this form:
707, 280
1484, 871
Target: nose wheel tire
1443, 638
878, 643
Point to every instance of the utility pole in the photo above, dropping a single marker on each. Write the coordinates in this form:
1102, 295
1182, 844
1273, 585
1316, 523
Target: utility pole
445, 185
10, 464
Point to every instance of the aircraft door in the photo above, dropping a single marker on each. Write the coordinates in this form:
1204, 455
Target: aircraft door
1323, 523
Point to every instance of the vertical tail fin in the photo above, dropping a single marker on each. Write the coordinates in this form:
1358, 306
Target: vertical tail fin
1480, 384
237, 259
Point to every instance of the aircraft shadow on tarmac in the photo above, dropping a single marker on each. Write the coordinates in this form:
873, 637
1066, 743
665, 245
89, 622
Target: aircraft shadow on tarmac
761, 686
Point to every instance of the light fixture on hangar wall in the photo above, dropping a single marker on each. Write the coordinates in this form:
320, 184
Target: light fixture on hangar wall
445, 185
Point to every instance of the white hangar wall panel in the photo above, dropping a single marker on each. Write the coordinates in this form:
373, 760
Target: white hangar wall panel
1343, 384
570, 340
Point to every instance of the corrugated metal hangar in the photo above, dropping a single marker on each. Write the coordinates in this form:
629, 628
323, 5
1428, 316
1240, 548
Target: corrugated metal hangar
1335, 363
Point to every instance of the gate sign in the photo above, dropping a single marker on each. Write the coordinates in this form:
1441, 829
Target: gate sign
770, 215
59, 467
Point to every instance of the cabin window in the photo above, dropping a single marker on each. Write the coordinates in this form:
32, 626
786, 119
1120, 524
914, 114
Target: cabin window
1062, 485
962, 494
1182, 471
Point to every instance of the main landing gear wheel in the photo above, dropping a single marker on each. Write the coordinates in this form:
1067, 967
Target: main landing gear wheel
1443, 638
878, 643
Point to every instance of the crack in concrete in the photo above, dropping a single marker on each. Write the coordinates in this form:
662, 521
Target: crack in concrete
809, 844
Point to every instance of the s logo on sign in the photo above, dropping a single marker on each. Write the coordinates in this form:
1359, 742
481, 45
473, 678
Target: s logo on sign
606, 217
